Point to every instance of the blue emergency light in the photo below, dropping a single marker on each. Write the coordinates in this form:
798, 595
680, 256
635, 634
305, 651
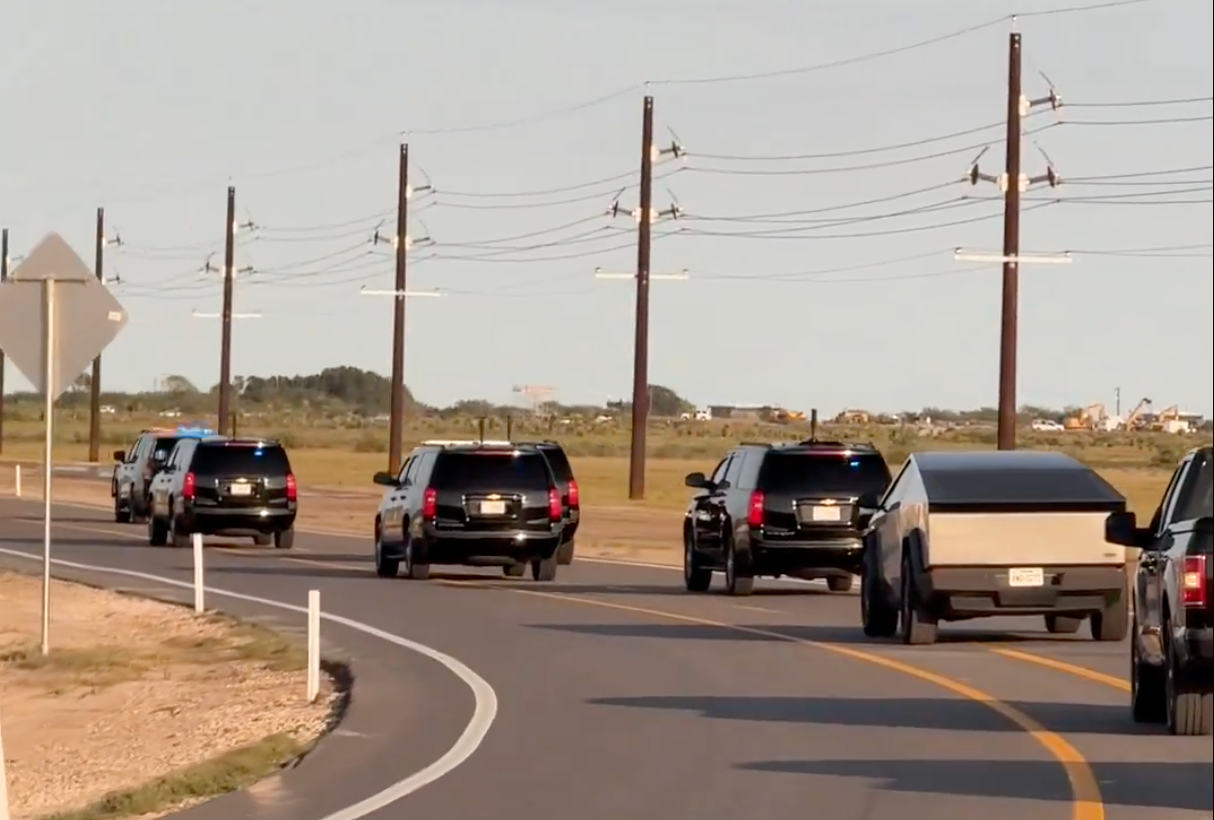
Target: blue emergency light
194, 432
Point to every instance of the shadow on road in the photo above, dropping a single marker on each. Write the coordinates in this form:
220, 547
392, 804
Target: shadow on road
1177, 786
73, 541
819, 633
680, 592
943, 714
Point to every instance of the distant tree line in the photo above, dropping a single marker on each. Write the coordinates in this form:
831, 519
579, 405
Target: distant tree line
338, 391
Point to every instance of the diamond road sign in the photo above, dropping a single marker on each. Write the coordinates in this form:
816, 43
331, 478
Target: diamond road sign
84, 316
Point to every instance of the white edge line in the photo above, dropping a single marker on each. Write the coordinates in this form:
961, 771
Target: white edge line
483, 714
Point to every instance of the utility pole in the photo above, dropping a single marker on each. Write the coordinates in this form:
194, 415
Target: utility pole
225, 344
95, 382
640, 360
396, 410
1011, 250
1013, 183
3, 278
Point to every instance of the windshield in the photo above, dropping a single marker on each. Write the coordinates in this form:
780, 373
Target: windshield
487, 470
240, 460
852, 474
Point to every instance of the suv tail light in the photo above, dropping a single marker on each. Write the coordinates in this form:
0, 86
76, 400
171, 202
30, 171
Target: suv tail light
292, 488
574, 495
754, 509
555, 508
188, 486
430, 504
1193, 581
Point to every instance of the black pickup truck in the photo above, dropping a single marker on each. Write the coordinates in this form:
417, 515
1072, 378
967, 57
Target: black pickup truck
1172, 639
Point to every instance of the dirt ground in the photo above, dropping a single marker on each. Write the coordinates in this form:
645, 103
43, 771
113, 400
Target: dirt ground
132, 691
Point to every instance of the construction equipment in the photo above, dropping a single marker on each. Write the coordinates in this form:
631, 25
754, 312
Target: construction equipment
1134, 420
1167, 420
1091, 417
853, 417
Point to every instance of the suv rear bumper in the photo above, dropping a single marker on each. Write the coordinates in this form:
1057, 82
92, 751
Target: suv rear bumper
781, 557
238, 522
442, 546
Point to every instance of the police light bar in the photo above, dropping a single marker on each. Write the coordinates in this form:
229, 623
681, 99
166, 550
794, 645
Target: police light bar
198, 432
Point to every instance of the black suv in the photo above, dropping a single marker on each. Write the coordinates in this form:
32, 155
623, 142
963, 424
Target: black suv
570, 495
1172, 638
780, 509
473, 504
234, 487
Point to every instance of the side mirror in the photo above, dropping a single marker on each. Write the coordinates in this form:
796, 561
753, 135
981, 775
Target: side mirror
120, 455
697, 481
385, 479
1122, 528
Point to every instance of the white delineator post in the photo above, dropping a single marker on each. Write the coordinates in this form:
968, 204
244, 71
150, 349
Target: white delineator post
199, 584
17, 492
313, 645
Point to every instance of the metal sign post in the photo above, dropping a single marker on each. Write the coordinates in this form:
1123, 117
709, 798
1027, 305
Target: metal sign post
48, 462
55, 318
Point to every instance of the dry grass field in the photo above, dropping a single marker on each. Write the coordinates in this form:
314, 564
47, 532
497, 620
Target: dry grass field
337, 456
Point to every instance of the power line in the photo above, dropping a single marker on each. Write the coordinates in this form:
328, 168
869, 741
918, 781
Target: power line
778, 217
853, 153
838, 169
798, 226
866, 234
891, 52
1128, 123
1141, 174
1141, 103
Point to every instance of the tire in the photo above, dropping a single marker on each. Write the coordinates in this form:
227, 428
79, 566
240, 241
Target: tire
515, 570
1062, 624
414, 570
1113, 622
158, 532
1189, 711
564, 553
263, 539
1148, 694
879, 619
181, 539
839, 583
284, 540
696, 578
918, 629
739, 581
544, 569
122, 515
384, 567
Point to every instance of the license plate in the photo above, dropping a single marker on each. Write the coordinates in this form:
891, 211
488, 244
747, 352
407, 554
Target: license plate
1025, 577
241, 489
493, 508
827, 514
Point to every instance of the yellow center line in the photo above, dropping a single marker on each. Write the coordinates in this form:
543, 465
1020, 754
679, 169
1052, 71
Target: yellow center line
1086, 801
1063, 666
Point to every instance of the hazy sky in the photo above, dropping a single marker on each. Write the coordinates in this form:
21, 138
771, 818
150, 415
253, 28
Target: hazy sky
150, 109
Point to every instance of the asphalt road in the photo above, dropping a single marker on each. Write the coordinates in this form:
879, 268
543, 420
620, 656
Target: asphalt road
619, 696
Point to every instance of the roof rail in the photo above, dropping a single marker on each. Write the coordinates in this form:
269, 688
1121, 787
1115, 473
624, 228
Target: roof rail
849, 445
465, 443
756, 444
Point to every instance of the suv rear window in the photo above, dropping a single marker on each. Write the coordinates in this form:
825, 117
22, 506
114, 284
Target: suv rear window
806, 471
240, 459
488, 470
559, 463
